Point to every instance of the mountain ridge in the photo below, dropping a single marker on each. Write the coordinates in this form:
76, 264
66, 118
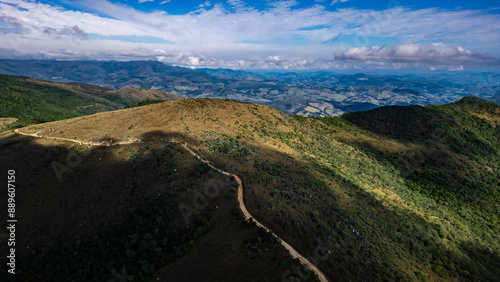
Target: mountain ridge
362, 201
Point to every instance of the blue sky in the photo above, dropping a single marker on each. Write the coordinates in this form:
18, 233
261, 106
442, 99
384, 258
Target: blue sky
263, 34
179, 7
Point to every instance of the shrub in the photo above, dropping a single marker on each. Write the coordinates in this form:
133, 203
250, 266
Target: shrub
229, 146
144, 103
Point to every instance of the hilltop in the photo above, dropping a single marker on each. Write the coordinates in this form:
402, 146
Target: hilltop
395, 193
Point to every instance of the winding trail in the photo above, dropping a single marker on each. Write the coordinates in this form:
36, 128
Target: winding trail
248, 216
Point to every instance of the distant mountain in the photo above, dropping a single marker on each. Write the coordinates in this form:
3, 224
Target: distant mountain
117, 75
234, 74
313, 94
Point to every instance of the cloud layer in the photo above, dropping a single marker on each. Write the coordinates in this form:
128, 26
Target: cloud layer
281, 37
424, 53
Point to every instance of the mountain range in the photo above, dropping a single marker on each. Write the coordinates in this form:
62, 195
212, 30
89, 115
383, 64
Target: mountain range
305, 94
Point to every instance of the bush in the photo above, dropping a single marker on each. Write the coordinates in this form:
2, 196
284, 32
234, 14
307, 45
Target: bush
21, 123
229, 146
421, 276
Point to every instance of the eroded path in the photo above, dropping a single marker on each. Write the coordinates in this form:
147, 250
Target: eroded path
248, 216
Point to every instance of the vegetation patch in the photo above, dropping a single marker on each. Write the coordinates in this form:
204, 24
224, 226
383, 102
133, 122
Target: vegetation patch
20, 123
226, 145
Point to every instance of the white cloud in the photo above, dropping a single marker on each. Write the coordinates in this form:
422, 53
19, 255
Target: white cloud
337, 1
165, 2
35, 18
205, 4
143, 1
58, 33
196, 60
419, 53
237, 3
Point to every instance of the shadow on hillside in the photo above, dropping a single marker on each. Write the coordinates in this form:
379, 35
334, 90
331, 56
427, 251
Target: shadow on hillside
430, 127
89, 186
162, 136
77, 188
72, 198
409, 123
80, 187
372, 241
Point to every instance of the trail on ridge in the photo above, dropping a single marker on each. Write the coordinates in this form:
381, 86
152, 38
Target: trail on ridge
294, 253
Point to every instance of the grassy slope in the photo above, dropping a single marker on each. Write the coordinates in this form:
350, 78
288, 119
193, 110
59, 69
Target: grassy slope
444, 163
27, 98
33, 100
393, 193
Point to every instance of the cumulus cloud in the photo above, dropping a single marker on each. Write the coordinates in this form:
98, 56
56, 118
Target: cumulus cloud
205, 4
197, 60
425, 53
10, 20
42, 19
58, 33
238, 4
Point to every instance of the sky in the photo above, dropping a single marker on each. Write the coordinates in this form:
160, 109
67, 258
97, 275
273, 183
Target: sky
450, 35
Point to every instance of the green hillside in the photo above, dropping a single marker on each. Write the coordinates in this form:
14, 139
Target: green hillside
26, 98
458, 163
444, 161
395, 193
33, 101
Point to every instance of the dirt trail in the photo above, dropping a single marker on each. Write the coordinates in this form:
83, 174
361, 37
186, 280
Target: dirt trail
248, 216
91, 143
